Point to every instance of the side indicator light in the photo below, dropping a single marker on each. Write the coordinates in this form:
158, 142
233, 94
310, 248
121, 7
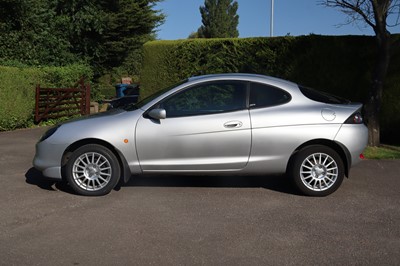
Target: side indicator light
126, 140
362, 156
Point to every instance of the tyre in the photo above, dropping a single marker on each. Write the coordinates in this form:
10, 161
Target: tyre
317, 170
92, 170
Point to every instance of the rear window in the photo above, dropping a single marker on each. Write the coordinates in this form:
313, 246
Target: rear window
322, 97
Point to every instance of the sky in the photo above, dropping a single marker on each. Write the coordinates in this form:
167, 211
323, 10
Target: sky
291, 17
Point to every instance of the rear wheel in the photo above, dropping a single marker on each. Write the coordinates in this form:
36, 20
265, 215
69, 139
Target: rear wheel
92, 170
317, 170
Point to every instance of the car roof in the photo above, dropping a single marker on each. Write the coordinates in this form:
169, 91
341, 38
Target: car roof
243, 76
291, 87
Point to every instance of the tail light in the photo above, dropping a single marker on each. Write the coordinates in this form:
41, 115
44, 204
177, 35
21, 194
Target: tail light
355, 118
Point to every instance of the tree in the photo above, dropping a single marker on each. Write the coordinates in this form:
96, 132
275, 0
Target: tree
29, 34
104, 34
83, 23
219, 19
129, 24
374, 13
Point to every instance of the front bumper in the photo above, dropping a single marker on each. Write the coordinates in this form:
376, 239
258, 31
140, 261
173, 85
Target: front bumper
48, 159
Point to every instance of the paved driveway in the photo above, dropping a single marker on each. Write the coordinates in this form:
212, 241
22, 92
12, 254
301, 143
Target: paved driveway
195, 220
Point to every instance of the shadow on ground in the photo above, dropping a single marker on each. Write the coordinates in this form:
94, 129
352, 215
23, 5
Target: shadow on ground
35, 177
278, 183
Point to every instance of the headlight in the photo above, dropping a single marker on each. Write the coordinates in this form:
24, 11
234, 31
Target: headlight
49, 132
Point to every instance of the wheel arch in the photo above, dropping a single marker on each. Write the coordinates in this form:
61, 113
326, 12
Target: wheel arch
337, 147
125, 172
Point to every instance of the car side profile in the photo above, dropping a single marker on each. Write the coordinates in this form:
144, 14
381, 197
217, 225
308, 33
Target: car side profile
238, 124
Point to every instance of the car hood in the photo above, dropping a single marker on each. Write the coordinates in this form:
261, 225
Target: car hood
110, 113
104, 126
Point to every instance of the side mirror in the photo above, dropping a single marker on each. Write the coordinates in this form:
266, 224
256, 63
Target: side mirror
158, 114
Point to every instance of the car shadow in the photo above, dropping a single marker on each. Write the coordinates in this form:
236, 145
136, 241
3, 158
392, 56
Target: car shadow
36, 178
279, 183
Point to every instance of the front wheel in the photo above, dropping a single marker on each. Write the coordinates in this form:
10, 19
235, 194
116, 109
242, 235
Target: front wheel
92, 170
317, 170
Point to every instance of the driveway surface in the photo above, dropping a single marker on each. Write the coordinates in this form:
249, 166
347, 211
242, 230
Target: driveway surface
195, 220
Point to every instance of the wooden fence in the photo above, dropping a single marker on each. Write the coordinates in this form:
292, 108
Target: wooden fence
62, 102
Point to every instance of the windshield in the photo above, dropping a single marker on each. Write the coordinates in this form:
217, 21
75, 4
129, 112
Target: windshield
322, 97
142, 102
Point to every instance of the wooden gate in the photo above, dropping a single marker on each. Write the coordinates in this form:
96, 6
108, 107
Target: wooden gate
62, 102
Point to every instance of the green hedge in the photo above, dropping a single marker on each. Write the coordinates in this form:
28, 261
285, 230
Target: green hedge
323, 62
340, 65
17, 90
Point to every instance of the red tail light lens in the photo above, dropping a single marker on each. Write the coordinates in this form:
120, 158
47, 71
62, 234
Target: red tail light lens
355, 118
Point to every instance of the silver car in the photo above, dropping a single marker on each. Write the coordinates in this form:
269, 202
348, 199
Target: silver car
235, 124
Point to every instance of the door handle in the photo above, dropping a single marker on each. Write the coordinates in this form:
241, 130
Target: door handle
233, 124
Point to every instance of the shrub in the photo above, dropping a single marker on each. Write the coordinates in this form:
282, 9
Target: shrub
17, 90
341, 65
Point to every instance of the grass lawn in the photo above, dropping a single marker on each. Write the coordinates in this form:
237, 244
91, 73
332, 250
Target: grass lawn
382, 152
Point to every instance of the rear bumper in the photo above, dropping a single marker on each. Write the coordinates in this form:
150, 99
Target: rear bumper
355, 138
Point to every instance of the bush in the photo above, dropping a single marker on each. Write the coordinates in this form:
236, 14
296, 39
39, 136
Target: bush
17, 90
167, 62
17, 96
390, 118
341, 65
318, 61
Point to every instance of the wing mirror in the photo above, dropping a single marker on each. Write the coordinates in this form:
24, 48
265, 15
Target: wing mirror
158, 114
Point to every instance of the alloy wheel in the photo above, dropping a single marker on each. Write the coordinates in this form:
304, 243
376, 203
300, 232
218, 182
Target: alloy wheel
92, 171
319, 171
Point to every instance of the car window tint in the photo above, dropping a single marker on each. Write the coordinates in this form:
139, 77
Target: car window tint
263, 95
143, 102
207, 98
322, 97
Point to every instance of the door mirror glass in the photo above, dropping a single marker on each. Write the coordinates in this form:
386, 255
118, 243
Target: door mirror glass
158, 114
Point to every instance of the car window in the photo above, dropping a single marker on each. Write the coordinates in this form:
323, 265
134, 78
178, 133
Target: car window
143, 102
207, 98
322, 97
263, 95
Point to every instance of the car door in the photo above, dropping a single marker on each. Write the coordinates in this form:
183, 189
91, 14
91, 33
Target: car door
207, 128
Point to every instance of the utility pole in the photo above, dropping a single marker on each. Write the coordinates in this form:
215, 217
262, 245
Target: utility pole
272, 19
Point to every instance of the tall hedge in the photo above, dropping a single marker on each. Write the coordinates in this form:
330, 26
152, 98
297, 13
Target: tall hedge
17, 90
341, 65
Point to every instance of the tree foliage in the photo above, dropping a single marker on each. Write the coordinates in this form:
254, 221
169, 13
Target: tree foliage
219, 19
59, 32
29, 35
129, 25
375, 14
